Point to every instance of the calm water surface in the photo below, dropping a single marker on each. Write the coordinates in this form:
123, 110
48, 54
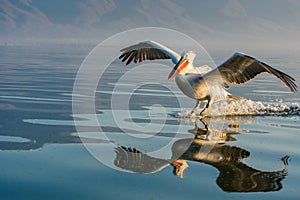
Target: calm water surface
43, 157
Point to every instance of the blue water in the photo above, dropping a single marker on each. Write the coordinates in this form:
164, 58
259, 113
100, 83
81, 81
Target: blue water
44, 156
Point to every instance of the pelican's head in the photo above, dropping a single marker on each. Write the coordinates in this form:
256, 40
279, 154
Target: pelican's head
184, 64
179, 167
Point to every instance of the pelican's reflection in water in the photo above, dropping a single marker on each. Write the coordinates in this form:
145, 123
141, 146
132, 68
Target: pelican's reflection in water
234, 175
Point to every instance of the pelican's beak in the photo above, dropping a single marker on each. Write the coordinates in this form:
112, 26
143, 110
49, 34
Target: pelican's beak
183, 62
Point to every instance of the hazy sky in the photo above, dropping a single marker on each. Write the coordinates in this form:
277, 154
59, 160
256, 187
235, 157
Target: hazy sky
255, 23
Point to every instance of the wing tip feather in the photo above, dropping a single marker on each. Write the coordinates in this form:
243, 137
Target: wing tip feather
250, 73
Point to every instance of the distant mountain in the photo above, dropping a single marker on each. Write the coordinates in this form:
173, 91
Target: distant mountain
21, 16
95, 19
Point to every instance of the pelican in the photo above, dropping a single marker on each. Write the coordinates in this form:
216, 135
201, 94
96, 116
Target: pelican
203, 83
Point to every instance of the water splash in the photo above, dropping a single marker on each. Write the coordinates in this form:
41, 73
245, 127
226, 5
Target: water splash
248, 107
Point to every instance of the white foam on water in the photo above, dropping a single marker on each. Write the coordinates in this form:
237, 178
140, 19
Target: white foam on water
247, 107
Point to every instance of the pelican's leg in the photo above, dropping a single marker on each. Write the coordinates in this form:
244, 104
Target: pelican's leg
200, 132
207, 105
196, 106
204, 122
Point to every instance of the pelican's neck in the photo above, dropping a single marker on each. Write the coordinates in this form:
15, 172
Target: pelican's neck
184, 85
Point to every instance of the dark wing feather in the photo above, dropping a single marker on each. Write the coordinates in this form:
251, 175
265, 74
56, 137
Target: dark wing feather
148, 50
136, 161
241, 68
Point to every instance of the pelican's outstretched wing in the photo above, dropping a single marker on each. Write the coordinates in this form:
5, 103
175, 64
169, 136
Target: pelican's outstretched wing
136, 161
148, 50
241, 68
